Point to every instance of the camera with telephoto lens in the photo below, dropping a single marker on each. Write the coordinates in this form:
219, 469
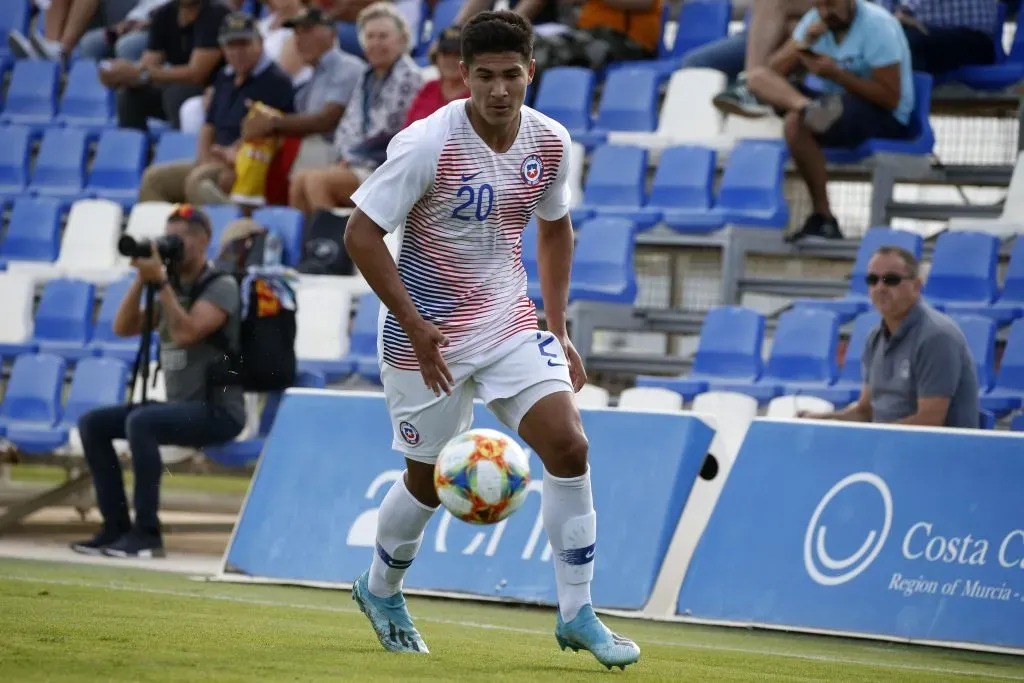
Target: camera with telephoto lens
170, 247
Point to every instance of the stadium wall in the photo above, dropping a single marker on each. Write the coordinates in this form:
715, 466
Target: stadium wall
893, 533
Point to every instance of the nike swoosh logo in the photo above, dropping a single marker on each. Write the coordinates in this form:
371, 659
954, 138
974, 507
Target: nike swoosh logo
467, 178
590, 554
553, 364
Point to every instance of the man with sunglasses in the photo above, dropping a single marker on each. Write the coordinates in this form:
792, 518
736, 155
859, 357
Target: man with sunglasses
917, 367
196, 414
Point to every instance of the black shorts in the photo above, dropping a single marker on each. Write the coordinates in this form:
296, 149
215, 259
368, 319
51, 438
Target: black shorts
860, 121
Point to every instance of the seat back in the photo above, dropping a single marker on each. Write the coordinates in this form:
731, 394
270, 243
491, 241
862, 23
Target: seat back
730, 343
85, 98
804, 346
753, 177
687, 114
872, 241
565, 94
629, 101
34, 390
60, 166
175, 145
700, 22
322, 321
790, 406
90, 237
1011, 367
65, 311
16, 304
1013, 284
684, 178
33, 231
119, 161
97, 382
220, 215
32, 93
286, 223
363, 338
603, 259
650, 398
113, 295
964, 267
862, 326
14, 157
980, 333
592, 396
616, 176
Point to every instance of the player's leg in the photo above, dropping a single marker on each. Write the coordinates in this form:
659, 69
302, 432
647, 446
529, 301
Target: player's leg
423, 423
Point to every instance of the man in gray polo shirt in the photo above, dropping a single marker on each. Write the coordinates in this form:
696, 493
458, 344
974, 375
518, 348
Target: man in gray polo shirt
916, 364
319, 102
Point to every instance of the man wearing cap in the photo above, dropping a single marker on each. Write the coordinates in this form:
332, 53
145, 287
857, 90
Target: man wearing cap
446, 54
250, 76
320, 102
197, 412
179, 61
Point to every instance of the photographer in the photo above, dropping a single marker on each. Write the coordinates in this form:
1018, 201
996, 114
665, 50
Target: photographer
197, 413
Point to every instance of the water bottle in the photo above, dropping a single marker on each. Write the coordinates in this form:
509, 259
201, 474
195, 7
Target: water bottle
273, 250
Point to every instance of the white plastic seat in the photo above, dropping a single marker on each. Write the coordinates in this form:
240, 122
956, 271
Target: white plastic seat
789, 406
88, 250
147, 220
322, 322
650, 398
592, 396
17, 298
734, 412
577, 156
1011, 221
738, 128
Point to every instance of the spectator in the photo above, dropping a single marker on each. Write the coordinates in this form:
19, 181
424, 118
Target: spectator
126, 39
445, 55
376, 113
278, 38
917, 366
249, 76
64, 24
321, 101
180, 59
861, 58
946, 35
196, 413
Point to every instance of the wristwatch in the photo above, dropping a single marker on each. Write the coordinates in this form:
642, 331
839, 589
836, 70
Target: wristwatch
144, 75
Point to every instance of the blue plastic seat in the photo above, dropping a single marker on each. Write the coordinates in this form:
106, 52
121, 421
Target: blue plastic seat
602, 267
118, 165
1010, 304
920, 143
348, 38
963, 270
362, 345
220, 216
614, 186
104, 342
175, 146
565, 94
529, 255
60, 166
86, 103
33, 233
63, 320
729, 348
803, 354
14, 17
31, 410
14, 159
750, 193
980, 334
848, 385
445, 12
32, 93
856, 300
286, 223
1008, 393
1007, 70
629, 102
699, 22
97, 382
681, 193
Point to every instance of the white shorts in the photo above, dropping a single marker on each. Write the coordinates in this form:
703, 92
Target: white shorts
510, 379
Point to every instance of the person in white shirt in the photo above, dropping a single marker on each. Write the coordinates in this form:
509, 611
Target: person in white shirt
455, 323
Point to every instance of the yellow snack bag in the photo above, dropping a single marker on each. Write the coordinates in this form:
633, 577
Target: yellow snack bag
253, 163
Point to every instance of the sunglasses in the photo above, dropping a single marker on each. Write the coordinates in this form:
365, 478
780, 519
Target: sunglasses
889, 279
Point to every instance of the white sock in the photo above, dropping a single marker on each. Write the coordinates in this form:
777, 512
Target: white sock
571, 525
400, 524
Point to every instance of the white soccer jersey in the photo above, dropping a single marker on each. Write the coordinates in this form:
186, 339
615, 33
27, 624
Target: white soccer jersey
463, 208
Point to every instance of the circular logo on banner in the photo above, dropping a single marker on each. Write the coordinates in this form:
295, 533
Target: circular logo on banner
409, 433
532, 169
817, 561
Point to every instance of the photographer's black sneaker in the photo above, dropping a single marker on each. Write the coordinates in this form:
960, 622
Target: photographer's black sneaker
136, 543
96, 544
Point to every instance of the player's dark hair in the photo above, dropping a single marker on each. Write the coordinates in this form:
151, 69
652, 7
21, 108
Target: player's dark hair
491, 32
909, 260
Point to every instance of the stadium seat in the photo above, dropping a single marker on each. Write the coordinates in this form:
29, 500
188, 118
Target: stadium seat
687, 115
986, 420
681, 194
362, 348
118, 165
97, 382
751, 191
1010, 304
629, 101
980, 334
803, 353
104, 341
175, 146
577, 157
730, 344
1007, 70
963, 269
592, 396
148, 220
848, 385
790, 406
33, 232
60, 166
650, 398
565, 94
286, 223
86, 103
1008, 222
322, 323
63, 321
32, 94
529, 255
31, 409
602, 267
348, 38
1008, 393
16, 304
856, 299
14, 17
220, 216
88, 250
615, 186
14, 159
1017, 425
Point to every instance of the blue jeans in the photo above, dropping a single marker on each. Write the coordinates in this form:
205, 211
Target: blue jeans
130, 46
727, 55
147, 427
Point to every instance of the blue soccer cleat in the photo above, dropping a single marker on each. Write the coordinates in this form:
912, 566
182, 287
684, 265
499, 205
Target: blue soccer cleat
389, 617
586, 632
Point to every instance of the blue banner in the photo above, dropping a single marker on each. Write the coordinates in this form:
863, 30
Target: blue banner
901, 532
312, 507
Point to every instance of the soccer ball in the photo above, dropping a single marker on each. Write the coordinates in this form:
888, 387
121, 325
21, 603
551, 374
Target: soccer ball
481, 476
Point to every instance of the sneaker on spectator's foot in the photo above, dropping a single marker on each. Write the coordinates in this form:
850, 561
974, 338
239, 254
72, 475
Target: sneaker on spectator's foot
96, 544
47, 49
737, 99
21, 46
818, 225
819, 115
136, 543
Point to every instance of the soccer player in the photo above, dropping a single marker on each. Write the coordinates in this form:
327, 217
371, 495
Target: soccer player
455, 321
